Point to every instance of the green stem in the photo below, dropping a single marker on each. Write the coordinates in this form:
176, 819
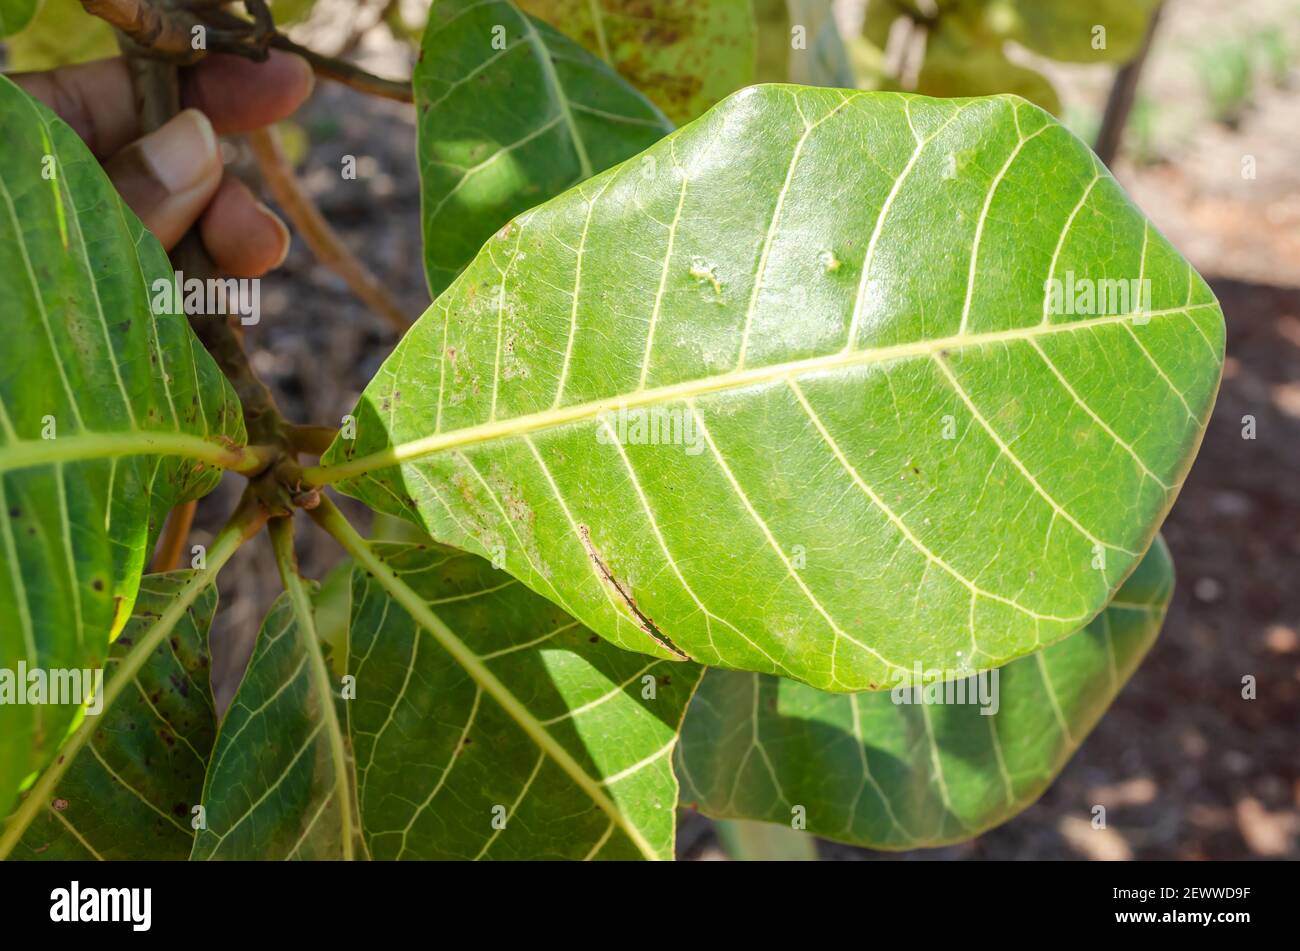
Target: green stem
246, 521
287, 561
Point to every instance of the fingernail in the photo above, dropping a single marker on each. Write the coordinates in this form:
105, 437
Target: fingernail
183, 152
282, 228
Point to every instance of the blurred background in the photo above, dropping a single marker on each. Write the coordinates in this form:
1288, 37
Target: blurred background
1210, 151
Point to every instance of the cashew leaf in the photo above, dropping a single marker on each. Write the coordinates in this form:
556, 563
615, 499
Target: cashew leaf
110, 414
917, 371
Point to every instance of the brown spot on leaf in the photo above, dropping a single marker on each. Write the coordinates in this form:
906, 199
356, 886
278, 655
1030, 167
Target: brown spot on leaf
643, 621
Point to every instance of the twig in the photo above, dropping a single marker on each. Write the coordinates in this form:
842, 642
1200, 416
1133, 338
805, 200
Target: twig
156, 89
165, 32
316, 231
1122, 94
341, 71
223, 340
326, 66
172, 544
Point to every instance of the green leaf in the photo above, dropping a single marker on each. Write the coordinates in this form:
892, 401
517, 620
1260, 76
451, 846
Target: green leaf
966, 40
771, 41
440, 756
1103, 31
62, 34
511, 114
129, 792
436, 751
162, 619
959, 63
683, 54
874, 772
16, 14
272, 786
869, 405
109, 415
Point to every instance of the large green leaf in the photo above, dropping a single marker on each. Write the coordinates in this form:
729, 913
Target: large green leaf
868, 770
960, 63
896, 437
440, 756
683, 54
272, 788
129, 792
109, 415
966, 40
1102, 31
511, 114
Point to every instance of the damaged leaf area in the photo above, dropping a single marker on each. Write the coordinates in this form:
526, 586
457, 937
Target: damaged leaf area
621, 590
685, 55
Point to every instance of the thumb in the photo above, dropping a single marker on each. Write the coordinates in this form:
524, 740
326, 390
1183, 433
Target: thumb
169, 176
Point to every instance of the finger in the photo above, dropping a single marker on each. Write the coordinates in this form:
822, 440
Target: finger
239, 95
242, 235
96, 98
169, 176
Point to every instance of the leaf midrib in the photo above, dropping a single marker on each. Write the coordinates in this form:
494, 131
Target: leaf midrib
736, 379
543, 53
28, 453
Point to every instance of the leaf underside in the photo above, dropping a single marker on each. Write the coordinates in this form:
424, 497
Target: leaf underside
875, 414
436, 755
270, 792
129, 792
436, 759
887, 775
93, 378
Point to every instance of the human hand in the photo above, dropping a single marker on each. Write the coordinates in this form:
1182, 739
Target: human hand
173, 176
